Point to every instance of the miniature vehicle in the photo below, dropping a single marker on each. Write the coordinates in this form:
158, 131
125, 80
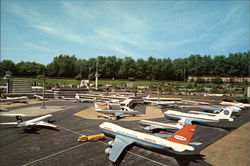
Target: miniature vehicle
96, 137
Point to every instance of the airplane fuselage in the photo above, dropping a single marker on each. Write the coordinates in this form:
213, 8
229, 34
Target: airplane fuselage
194, 117
160, 125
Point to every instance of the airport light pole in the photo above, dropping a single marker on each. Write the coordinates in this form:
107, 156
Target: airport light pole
43, 77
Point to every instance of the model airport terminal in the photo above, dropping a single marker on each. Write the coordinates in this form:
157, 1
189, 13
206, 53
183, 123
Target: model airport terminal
81, 126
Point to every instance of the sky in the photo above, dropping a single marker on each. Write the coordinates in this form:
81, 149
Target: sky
39, 30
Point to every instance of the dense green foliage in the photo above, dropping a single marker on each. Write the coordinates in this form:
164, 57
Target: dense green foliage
151, 69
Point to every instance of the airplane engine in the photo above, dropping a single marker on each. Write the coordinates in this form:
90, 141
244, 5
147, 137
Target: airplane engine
107, 151
111, 143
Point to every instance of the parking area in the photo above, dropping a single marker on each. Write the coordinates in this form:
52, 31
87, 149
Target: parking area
60, 147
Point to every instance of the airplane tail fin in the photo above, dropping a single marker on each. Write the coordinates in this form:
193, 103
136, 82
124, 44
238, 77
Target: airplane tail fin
126, 108
19, 119
183, 136
181, 122
97, 107
225, 113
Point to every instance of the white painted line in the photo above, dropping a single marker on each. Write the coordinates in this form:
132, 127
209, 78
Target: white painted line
32, 162
69, 130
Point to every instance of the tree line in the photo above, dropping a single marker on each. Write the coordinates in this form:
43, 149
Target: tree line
236, 64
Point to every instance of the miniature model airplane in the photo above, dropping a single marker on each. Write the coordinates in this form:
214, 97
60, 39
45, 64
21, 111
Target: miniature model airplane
40, 97
68, 98
240, 105
15, 99
30, 123
200, 116
152, 125
163, 103
148, 98
117, 113
179, 141
82, 100
217, 109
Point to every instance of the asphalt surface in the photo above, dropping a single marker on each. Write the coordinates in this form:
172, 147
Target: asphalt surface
60, 147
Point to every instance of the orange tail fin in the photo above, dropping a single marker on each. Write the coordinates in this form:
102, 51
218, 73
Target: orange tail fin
184, 135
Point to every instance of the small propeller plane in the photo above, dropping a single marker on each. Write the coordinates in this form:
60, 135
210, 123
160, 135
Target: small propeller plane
117, 113
179, 141
29, 123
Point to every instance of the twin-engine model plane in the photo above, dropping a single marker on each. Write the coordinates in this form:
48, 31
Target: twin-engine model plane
179, 141
153, 125
29, 123
117, 113
195, 116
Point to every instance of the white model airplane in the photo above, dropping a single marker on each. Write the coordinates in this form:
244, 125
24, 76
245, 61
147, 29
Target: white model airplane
148, 98
68, 98
240, 105
179, 141
117, 113
82, 100
162, 103
40, 97
153, 125
200, 116
217, 109
29, 123
15, 99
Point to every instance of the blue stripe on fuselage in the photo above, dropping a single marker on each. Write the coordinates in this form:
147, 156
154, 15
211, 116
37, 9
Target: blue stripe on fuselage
140, 140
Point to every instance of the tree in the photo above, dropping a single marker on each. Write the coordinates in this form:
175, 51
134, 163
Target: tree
7, 65
30, 68
62, 66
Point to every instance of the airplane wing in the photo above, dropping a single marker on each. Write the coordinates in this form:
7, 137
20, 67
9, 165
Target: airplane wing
9, 123
119, 145
153, 127
42, 123
118, 114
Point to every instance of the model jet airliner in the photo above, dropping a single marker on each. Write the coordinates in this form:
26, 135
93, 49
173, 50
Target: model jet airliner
117, 113
29, 123
153, 125
217, 109
179, 141
240, 105
195, 116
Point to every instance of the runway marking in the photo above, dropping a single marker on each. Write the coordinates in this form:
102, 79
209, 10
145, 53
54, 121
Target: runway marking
32, 162
84, 144
70, 130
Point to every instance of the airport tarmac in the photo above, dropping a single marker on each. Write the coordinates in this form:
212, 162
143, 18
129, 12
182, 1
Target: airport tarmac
52, 147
